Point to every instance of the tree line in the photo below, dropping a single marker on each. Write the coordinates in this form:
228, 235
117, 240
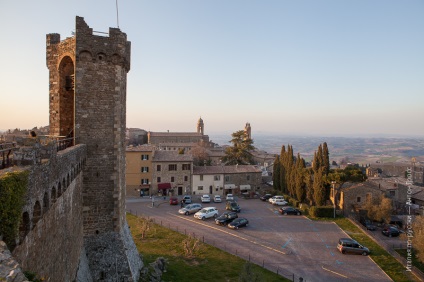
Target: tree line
292, 177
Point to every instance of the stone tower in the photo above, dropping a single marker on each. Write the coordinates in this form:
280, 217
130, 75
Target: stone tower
200, 126
88, 79
248, 130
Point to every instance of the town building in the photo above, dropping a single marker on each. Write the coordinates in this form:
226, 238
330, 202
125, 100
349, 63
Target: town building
139, 172
352, 197
171, 173
136, 136
157, 138
223, 180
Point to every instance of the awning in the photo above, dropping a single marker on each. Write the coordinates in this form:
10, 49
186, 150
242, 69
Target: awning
163, 186
229, 186
244, 187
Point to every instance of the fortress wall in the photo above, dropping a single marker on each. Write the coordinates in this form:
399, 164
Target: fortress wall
53, 242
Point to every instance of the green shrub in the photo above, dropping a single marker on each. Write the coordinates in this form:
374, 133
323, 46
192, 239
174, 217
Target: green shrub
13, 186
321, 211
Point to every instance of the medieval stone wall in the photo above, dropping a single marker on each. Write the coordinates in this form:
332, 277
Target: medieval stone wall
51, 236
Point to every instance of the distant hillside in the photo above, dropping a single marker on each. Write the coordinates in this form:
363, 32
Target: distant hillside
361, 150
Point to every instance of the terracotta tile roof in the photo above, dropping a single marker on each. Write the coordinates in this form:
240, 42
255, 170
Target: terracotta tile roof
173, 144
140, 148
171, 156
418, 195
229, 169
177, 134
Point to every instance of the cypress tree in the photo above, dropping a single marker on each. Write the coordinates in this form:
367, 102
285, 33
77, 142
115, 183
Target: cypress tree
283, 182
309, 186
276, 174
319, 189
325, 158
289, 170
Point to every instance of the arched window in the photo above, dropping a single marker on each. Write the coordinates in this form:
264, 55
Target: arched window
36, 214
24, 227
59, 190
46, 202
53, 196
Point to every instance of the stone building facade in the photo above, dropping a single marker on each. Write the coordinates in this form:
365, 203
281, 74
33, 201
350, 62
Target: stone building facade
171, 172
393, 169
156, 138
354, 197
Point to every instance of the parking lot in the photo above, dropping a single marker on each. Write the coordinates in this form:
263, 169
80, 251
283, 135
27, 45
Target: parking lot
293, 246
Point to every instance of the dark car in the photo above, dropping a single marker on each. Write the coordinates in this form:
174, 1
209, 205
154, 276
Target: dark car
390, 231
347, 245
289, 210
173, 201
367, 223
265, 197
226, 218
232, 206
238, 222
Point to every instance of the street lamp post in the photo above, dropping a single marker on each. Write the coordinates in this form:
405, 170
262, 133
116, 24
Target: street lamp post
334, 197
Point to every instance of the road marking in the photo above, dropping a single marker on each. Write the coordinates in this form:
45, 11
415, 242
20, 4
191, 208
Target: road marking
334, 272
339, 262
229, 233
287, 243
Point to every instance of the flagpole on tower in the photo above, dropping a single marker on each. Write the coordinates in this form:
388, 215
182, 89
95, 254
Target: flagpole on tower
117, 17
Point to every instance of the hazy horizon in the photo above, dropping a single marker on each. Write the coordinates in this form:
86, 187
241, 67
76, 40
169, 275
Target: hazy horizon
328, 67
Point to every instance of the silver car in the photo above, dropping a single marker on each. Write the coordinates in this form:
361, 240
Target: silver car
190, 209
347, 245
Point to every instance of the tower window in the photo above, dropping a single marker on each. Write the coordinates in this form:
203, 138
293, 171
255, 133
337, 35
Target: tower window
70, 82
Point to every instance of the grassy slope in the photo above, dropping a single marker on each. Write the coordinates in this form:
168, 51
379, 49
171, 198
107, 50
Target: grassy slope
387, 262
210, 263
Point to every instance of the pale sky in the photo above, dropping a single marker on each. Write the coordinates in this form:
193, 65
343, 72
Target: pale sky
291, 67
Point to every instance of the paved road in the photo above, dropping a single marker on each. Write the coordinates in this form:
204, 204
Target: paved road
292, 245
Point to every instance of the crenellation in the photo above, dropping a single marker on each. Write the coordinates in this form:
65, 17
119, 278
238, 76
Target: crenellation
76, 197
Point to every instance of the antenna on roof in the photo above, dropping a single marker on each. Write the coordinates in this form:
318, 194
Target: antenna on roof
117, 17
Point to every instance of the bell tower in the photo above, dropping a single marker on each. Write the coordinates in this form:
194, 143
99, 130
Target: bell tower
200, 126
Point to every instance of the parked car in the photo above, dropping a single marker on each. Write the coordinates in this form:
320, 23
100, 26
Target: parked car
265, 197
289, 210
173, 201
226, 218
187, 199
205, 198
190, 209
229, 197
232, 206
390, 231
217, 199
272, 199
347, 245
238, 222
279, 202
367, 223
206, 213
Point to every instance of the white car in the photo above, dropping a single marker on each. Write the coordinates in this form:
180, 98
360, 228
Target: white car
205, 198
272, 199
230, 197
206, 213
217, 199
279, 202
